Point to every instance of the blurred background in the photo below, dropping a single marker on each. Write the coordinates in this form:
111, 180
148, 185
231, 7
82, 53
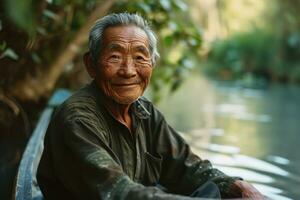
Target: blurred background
228, 78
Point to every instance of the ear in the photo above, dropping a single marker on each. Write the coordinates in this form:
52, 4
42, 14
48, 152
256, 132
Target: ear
87, 59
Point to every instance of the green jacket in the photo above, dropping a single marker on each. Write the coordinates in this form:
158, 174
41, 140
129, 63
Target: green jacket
88, 154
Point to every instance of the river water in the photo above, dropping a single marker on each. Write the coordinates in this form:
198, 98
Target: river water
252, 133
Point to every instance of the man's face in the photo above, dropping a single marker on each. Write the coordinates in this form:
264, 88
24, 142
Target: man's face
124, 66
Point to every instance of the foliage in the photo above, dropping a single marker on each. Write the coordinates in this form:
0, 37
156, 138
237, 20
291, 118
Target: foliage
43, 29
248, 52
267, 46
256, 54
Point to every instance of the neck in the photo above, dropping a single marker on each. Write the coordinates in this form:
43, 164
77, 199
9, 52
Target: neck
119, 111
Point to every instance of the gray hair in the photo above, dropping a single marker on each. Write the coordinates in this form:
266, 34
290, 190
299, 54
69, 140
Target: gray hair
96, 33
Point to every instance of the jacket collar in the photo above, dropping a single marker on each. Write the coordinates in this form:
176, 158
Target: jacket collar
140, 109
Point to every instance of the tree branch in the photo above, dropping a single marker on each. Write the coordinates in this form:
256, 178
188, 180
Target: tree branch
33, 88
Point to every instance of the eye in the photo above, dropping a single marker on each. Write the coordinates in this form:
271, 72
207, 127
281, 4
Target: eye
140, 58
114, 58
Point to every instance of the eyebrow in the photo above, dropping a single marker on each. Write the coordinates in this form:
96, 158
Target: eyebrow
114, 46
143, 49
117, 47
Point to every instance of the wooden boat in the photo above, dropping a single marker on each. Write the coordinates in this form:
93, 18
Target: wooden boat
25, 186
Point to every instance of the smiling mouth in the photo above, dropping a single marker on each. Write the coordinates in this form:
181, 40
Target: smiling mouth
125, 84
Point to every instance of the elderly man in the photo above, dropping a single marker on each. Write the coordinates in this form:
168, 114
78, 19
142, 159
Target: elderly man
108, 142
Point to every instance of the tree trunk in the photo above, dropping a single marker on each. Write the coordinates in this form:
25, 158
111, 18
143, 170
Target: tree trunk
33, 88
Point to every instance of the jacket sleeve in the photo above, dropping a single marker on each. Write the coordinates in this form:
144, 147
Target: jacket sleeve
87, 168
183, 171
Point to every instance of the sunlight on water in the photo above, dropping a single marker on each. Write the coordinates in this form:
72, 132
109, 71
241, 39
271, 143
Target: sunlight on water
252, 133
247, 162
271, 192
220, 148
253, 163
278, 160
228, 160
246, 174
238, 112
277, 197
268, 189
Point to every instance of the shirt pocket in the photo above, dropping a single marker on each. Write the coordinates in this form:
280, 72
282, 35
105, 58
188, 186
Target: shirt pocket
152, 169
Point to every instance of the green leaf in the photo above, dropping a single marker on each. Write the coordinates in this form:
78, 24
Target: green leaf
181, 5
22, 14
176, 84
3, 46
50, 14
173, 26
10, 53
57, 2
168, 40
41, 30
144, 7
36, 58
166, 4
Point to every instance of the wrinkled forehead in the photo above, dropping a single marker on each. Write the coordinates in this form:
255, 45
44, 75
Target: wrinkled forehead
125, 35
125, 47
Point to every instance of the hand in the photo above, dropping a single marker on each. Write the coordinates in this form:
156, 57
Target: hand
246, 190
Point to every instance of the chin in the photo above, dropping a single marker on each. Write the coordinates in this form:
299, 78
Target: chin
126, 97
123, 96
125, 100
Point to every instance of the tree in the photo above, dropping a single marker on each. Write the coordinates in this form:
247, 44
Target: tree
52, 34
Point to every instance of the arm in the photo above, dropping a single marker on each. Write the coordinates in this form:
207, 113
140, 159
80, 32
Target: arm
183, 171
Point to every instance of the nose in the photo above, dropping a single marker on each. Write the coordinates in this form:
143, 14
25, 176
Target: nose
128, 68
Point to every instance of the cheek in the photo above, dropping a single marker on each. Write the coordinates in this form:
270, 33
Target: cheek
105, 73
146, 74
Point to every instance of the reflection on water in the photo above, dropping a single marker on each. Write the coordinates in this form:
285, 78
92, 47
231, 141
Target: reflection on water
278, 160
252, 133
